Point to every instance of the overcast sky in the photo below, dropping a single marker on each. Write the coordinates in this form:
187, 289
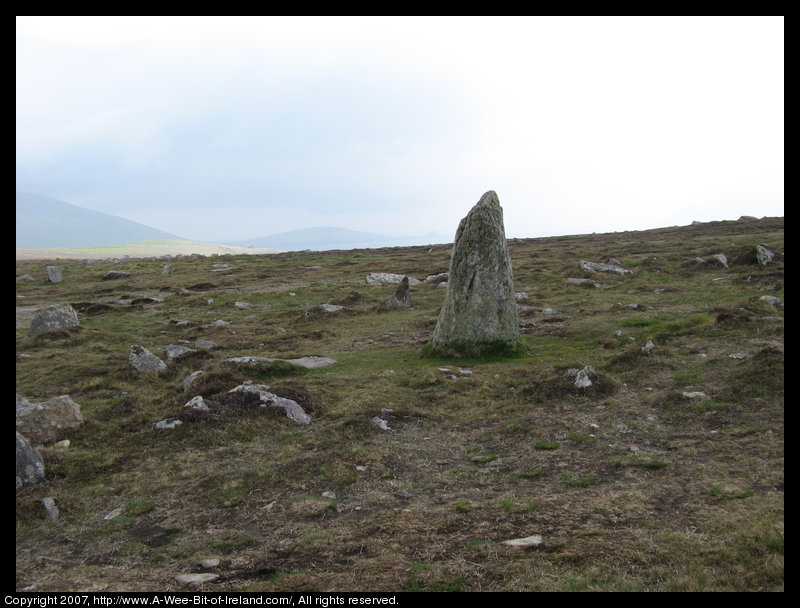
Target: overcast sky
227, 128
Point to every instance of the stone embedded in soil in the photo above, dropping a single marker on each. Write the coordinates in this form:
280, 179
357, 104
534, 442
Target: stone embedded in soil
381, 423
388, 278
600, 267
529, 541
173, 351
307, 362
196, 579
53, 318
44, 422
115, 274
143, 360
292, 409
197, 403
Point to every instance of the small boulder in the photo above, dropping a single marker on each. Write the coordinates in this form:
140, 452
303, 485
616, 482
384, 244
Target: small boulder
197, 403
44, 422
601, 267
54, 274
292, 409
53, 318
187, 382
142, 360
173, 351
388, 278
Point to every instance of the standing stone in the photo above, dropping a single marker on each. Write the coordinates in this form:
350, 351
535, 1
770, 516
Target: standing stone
479, 314
53, 274
401, 297
53, 318
30, 468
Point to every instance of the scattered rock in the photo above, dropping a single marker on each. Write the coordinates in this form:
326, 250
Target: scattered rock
764, 255
187, 382
600, 267
205, 344
218, 323
479, 311
209, 564
113, 514
30, 467
585, 377
738, 355
775, 301
44, 422
143, 360
54, 274
25, 277
329, 494
380, 423
435, 279
760, 254
321, 311
53, 318
291, 408
173, 351
197, 403
721, 259
197, 579
168, 423
115, 274
529, 541
387, 278
307, 362
648, 347
695, 395
50, 508
401, 297
242, 304
166, 269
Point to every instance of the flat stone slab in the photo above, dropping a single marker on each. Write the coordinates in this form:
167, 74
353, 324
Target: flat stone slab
307, 362
529, 541
389, 278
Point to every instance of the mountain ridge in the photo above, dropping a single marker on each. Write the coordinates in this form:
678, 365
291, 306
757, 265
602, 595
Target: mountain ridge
44, 221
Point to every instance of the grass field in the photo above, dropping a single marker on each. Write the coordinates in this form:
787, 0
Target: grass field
632, 485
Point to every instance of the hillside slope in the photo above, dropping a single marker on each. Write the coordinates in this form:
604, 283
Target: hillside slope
43, 222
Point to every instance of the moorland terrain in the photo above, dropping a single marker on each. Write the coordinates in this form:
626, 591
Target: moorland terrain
665, 475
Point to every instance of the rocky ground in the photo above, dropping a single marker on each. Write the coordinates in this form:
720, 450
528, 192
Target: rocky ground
637, 443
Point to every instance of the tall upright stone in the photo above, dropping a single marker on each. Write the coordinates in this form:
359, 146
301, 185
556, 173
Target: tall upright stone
479, 314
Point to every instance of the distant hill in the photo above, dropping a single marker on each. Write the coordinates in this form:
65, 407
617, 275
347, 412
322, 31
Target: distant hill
45, 222
325, 238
